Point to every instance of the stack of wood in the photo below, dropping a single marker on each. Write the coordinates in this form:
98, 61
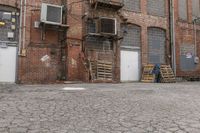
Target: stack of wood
147, 75
104, 70
93, 70
167, 74
101, 70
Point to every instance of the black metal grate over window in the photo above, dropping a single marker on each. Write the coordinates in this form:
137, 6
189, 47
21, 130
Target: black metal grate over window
98, 43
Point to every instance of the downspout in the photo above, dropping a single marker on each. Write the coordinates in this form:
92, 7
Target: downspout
195, 38
173, 35
64, 55
20, 28
24, 30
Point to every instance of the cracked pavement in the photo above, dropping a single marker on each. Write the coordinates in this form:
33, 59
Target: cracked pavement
100, 108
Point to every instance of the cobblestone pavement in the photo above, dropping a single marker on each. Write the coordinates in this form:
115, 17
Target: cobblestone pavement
100, 108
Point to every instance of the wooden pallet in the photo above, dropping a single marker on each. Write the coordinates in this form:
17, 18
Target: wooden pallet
147, 76
167, 74
93, 70
104, 70
101, 70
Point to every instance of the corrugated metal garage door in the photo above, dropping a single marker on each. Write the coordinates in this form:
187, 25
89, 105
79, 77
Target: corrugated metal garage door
156, 45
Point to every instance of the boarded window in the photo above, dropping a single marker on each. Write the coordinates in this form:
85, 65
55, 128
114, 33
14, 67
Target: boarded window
132, 35
156, 7
132, 5
182, 6
156, 45
195, 8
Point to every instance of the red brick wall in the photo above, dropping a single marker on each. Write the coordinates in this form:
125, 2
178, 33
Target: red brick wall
184, 34
33, 70
12, 3
74, 35
144, 20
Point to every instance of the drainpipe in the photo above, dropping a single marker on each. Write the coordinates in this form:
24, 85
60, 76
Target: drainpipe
173, 35
195, 38
24, 29
20, 28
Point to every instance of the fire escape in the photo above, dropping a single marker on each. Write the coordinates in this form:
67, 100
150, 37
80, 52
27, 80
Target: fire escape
111, 4
105, 28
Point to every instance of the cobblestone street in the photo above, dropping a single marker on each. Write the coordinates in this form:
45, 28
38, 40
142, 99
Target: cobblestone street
100, 108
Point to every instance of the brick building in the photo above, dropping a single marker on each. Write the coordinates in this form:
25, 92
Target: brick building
187, 35
98, 41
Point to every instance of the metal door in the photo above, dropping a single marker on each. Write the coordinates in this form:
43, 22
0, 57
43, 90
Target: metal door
8, 64
130, 66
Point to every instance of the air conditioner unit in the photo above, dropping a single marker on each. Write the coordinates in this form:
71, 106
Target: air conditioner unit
51, 14
107, 26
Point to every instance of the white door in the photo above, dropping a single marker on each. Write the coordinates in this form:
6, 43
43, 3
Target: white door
130, 66
8, 64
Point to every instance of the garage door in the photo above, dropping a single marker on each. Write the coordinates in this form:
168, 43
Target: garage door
130, 66
8, 64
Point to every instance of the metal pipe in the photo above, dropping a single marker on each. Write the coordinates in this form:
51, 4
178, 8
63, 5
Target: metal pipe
195, 38
24, 26
20, 28
173, 35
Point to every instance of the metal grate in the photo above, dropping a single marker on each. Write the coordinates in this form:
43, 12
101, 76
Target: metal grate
98, 43
132, 5
131, 35
91, 26
156, 7
156, 44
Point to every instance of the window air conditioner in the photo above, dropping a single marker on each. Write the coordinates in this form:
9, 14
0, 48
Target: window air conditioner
51, 14
108, 26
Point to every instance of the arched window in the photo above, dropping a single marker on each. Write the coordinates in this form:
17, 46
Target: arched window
131, 35
156, 45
